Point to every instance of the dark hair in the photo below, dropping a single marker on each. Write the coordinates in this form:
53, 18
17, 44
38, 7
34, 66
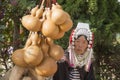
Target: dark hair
80, 36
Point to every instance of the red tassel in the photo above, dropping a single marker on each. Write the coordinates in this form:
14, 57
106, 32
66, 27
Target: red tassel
70, 38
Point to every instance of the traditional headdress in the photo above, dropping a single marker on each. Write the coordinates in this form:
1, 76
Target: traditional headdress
81, 29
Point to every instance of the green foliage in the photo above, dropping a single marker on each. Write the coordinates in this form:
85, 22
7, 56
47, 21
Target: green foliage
12, 12
106, 29
92, 4
103, 17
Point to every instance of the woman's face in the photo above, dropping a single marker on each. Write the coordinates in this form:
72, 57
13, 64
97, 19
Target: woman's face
81, 45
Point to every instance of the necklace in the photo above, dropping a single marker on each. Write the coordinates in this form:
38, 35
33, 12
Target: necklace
81, 60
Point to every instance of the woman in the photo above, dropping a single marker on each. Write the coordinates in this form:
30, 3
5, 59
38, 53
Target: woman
77, 62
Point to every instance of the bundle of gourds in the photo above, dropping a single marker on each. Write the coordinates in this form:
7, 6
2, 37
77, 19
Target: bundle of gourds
40, 53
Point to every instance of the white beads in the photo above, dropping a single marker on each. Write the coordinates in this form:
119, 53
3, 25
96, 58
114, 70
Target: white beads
90, 42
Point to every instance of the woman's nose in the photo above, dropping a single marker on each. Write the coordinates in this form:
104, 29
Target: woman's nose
80, 45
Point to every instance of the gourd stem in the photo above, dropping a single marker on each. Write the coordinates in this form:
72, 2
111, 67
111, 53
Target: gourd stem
34, 38
42, 3
49, 3
29, 34
54, 1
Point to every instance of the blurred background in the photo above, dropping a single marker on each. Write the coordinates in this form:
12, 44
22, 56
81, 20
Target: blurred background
102, 15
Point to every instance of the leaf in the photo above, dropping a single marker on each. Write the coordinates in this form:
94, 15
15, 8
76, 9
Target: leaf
2, 27
1, 70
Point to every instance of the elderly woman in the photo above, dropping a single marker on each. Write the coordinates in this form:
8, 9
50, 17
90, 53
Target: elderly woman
77, 62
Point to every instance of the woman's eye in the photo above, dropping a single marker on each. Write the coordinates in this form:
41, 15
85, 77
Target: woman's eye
77, 41
84, 42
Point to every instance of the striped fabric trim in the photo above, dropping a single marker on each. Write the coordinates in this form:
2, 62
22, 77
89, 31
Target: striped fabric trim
74, 74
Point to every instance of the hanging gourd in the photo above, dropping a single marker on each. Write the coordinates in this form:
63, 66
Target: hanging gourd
39, 12
18, 55
33, 11
33, 54
18, 58
49, 29
56, 51
67, 25
47, 67
32, 22
49, 41
44, 46
58, 6
59, 35
58, 15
